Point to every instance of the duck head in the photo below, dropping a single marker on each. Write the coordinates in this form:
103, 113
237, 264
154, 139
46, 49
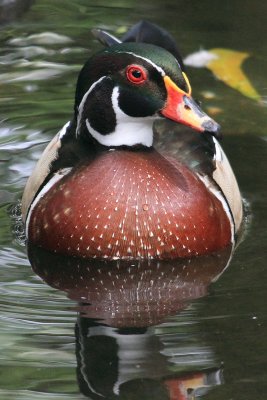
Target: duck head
124, 88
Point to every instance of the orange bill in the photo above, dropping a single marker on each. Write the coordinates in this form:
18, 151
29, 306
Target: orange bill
181, 107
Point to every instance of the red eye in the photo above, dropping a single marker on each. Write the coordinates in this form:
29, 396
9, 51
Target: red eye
136, 74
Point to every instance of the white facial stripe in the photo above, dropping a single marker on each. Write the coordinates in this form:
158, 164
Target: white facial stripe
129, 130
81, 105
159, 69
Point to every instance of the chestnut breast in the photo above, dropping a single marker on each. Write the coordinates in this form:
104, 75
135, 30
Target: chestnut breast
130, 204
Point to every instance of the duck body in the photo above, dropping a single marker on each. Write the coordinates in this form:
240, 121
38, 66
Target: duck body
101, 190
131, 204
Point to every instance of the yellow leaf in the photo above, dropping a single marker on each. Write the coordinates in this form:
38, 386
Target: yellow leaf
227, 67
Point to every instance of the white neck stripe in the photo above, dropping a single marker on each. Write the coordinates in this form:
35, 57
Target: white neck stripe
81, 105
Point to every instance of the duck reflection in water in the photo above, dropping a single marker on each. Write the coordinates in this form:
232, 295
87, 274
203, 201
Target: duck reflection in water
128, 342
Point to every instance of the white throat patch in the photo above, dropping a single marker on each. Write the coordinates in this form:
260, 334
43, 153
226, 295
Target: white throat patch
129, 131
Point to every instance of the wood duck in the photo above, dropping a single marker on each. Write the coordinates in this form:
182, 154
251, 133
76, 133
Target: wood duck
102, 190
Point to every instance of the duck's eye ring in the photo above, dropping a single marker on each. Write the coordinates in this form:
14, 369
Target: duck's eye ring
136, 74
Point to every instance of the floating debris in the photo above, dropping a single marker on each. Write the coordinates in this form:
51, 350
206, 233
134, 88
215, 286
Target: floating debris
226, 65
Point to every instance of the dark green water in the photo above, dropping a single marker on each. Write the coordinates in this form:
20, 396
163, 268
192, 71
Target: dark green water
218, 337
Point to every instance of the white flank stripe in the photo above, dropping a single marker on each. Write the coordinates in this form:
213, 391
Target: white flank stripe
57, 177
218, 156
208, 183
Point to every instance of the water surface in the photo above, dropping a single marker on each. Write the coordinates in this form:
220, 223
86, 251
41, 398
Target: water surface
212, 342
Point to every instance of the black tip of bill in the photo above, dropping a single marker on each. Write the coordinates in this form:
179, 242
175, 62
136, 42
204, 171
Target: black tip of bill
211, 127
